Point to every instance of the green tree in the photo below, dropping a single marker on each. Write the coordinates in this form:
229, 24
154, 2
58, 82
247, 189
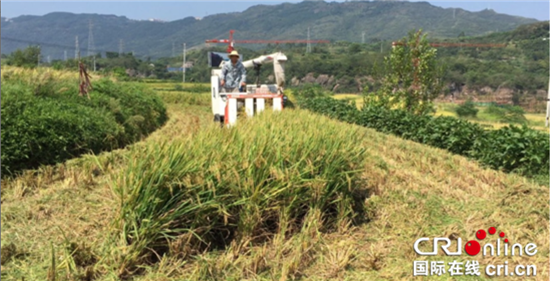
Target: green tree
354, 48
467, 109
412, 80
25, 58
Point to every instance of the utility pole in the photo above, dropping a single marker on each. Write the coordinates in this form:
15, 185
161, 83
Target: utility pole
183, 68
90, 39
120, 47
363, 41
39, 54
76, 49
308, 48
65, 55
91, 45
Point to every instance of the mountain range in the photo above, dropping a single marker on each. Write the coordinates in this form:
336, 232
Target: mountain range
336, 21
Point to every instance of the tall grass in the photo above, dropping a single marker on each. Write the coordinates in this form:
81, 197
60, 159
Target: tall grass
240, 185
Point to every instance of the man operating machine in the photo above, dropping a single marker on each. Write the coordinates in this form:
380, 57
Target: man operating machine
230, 75
233, 74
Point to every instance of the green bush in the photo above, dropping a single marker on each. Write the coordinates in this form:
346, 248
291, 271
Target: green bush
467, 109
507, 113
514, 148
511, 149
309, 91
49, 123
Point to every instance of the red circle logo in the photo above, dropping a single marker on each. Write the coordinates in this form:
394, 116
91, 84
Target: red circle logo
481, 234
472, 248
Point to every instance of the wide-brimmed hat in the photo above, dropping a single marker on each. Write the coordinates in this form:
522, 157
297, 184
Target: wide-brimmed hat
234, 54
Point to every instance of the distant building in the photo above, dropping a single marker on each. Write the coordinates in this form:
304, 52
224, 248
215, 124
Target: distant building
156, 20
188, 66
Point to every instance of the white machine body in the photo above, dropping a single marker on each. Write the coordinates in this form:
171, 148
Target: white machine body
219, 99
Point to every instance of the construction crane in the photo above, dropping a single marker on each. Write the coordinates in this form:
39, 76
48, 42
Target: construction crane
475, 45
231, 43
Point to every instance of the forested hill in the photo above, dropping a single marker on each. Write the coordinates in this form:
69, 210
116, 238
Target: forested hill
336, 21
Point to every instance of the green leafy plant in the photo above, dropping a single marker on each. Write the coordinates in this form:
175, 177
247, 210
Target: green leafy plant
467, 109
507, 113
46, 122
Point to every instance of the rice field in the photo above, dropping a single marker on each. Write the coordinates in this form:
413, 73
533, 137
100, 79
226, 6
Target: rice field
287, 196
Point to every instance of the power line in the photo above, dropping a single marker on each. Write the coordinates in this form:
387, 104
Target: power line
76, 47
184, 62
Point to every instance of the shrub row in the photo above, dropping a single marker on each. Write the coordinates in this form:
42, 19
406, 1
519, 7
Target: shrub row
511, 149
46, 122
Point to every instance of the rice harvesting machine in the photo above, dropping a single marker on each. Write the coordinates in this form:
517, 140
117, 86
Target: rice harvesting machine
225, 105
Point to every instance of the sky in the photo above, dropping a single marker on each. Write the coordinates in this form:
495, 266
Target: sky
174, 10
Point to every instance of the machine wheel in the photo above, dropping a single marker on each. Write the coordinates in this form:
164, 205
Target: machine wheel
219, 118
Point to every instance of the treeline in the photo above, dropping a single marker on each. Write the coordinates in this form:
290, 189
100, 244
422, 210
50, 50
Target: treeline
344, 67
521, 65
125, 65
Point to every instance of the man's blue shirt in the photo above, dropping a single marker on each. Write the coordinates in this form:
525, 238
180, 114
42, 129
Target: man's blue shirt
233, 75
